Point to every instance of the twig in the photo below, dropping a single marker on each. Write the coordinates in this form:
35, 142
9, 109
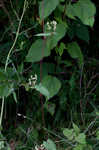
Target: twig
90, 125
17, 33
65, 140
92, 89
93, 77
6, 64
41, 62
81, 106
2, 109
2, 5
14, 11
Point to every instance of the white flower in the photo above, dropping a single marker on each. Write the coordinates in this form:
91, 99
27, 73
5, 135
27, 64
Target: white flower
41, 147
36, 147
51, 25
54, 25
35, 76
54, 22
32, 81
48, 26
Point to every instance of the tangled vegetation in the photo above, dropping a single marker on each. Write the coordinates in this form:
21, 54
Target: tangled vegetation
49, 75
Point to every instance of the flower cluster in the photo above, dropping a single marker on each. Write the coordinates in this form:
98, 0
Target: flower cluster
41, 147
51, 25
32, 81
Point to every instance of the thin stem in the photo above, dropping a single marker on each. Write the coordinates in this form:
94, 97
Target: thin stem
17, 34
57, 135
41, 62
90, 125
14, 11
10, 51
2, 109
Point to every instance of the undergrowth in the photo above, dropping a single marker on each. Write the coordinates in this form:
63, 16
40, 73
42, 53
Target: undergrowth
49, 75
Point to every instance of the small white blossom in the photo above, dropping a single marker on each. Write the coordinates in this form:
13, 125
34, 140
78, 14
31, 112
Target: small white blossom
32, 81
52, 25
36, 77
54, 22
41, 147
31, 76
48, 26
19, 114
36, 147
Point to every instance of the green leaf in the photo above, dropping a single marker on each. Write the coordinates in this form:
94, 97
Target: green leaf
2, 76
15, 97
84, 9
8, 81
55, 38
6, 87
80, 30
97, 113
76, 129
20, 68
97, 134
81, 138
79, 147
67, 63
49, 145
68, 133
43, 90
82, 33
50, 107
75, 52
60, 49
37, 51
48, 7
52, 84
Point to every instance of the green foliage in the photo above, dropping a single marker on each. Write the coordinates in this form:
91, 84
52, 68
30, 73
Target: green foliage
60, 49
74, 135
50, 107
80, 30
35, 52
52, 84
6, 83
49, 75
59, 34
68, 133
97, 135
75, 52
46, 8
42, 90
49, 145
76, 129
81, 138
84, 10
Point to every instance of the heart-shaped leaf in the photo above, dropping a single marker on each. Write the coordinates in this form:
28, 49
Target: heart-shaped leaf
37, 51
84, 9
46, 7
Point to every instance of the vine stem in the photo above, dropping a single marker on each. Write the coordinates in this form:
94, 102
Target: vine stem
41, 62
90, 125
17, 34
8, 56
2, 109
